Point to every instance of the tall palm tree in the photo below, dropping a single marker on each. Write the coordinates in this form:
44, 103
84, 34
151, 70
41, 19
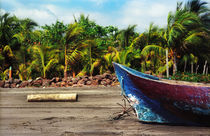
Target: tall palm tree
7, 26
200, 8
72, 54
183, 29
24, 37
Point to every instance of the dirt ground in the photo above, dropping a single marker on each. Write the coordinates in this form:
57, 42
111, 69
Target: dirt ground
90, 116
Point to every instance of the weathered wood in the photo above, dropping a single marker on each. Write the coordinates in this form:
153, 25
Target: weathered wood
52, 97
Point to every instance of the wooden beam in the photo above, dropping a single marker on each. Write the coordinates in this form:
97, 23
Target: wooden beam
52, 97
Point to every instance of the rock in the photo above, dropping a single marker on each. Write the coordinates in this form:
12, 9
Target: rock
18, 85
53, 84
108, 81
13, 85
30, 81
58, 79
53, 80
74, 80
46, 83
63, 84
7, 82
70, 83
98, 77
17, 81
39, 78
107, 75
2, 83
81, 82
58, 84
37, 83
77, 85
85, 79
103, 83
24, 84
94, 82
10, 80
88, 83
7, 85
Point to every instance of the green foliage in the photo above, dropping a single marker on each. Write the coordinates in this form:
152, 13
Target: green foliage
191, 77
84, 47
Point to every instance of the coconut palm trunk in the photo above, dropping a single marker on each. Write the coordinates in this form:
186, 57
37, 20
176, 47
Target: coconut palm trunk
167, 67
174, 64
66, 63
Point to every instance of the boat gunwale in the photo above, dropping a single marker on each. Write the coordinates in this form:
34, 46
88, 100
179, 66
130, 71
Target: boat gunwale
166, 81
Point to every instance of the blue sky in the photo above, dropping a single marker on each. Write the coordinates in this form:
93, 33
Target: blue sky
120, 13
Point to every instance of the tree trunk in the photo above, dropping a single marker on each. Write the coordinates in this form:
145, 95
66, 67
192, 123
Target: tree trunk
185, 65
174, 64
66, 63
191, 67
167, 67
52, 97
197, 69
204, 67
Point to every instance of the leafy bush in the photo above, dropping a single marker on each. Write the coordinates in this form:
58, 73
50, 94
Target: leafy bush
191, 77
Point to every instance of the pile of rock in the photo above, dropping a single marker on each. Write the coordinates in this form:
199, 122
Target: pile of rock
106, 79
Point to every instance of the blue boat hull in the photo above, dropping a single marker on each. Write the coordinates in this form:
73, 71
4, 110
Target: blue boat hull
149, 109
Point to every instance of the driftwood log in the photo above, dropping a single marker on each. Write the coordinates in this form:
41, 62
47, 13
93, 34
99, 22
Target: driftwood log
52, 97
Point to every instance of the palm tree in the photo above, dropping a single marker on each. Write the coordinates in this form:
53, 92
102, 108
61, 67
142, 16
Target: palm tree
24, 72
183, 29
126, 35
200, 8
7, 26
72, 54
24, 37
44, 57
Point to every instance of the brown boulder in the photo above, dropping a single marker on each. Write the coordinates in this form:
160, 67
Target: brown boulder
70, 83
63, 84
46, 83
108, 81
17, 81
74, 80
107, 75
95, 82
81, 82
13, 85
24, 84
103, 83
88, 83
53, 80
37, 83
2, 83
58, 79
7, 85
10, 80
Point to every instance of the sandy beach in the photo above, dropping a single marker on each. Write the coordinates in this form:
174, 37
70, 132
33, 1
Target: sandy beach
89, 116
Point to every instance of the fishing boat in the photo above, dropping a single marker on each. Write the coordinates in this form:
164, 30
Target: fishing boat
164, 101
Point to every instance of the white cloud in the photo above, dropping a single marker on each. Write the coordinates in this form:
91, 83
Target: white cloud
144, 12
140, 12
48, 14
40, 16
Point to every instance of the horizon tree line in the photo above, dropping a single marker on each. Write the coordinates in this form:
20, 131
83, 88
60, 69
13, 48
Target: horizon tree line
85, 48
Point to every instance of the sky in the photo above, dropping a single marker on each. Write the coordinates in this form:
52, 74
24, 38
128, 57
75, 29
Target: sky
119, 13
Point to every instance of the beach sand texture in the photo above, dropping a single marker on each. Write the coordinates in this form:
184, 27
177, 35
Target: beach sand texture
89, 116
